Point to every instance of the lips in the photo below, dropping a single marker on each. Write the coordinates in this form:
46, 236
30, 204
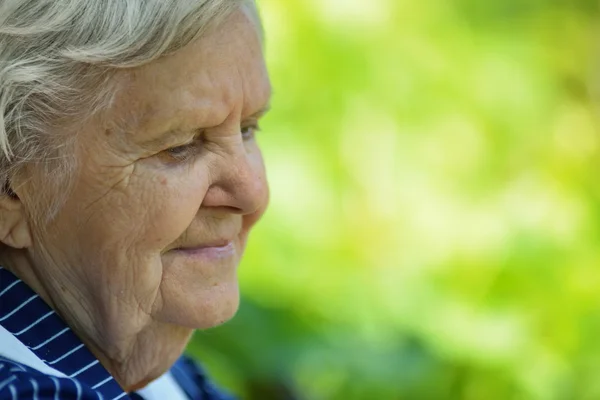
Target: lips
212, 251
216, 244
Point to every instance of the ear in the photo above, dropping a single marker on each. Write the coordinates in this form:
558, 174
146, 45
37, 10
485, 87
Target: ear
14, 226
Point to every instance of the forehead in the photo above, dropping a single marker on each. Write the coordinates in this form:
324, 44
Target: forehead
201, 85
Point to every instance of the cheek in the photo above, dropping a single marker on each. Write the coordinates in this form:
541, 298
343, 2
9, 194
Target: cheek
177, 204
140, 218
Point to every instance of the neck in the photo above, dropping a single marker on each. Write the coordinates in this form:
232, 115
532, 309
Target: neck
144, 360
134, 359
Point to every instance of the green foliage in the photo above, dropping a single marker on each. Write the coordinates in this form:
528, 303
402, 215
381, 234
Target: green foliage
434, 229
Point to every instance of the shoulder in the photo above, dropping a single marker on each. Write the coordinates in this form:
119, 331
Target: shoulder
19, 382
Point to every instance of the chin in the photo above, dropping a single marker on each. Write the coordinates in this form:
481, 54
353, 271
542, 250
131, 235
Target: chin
202, 309
220, 308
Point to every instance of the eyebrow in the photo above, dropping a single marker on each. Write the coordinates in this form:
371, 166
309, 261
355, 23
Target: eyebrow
263, 110
170, 137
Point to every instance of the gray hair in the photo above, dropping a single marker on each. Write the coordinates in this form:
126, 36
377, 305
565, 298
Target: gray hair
57, 58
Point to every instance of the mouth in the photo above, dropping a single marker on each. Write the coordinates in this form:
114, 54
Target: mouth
216, 250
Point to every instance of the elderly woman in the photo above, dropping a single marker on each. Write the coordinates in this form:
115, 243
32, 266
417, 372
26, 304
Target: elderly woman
131, 180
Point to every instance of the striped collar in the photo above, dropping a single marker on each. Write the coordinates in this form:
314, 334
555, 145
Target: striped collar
26, 316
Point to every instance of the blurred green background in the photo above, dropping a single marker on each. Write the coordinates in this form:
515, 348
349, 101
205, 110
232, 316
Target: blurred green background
434, 229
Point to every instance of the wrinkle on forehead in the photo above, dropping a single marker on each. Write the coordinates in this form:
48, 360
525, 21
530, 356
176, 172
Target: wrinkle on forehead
199, 86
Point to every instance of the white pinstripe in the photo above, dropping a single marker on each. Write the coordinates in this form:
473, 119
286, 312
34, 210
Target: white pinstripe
39, 346
57, 386
84, 369
13, 392
34, 323
66, 355
78, 387
35, 389
97, 385
29, 300
7, 381
9, 287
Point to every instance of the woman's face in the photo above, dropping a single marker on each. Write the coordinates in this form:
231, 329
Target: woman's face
168, 186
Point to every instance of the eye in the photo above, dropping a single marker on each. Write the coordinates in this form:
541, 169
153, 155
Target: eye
249, 131
181, 153
180, 150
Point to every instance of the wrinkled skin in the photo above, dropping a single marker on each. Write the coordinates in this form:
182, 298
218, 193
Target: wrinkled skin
169, 183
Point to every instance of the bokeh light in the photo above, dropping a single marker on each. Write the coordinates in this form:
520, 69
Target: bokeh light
434, 228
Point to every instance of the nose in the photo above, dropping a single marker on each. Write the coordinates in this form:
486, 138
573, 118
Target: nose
239, 184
